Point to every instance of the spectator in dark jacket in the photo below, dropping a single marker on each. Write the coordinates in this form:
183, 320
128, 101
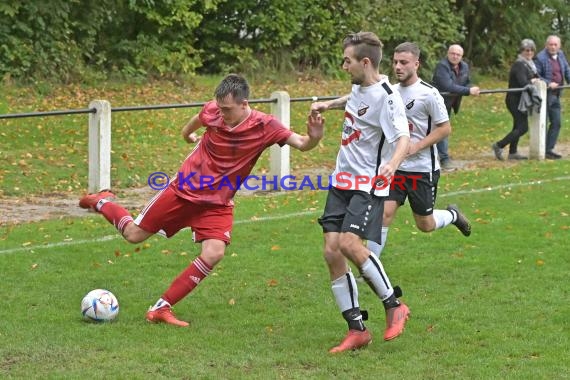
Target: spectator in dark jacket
553, 68
452, 76
523, 72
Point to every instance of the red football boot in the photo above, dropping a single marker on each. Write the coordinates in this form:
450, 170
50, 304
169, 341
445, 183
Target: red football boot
354, 340
165, 315
89, 201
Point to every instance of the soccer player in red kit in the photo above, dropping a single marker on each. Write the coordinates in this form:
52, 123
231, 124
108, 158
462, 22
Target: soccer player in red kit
201, 197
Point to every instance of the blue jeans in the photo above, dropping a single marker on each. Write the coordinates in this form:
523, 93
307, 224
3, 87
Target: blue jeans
443, 145
443, 150
553, 112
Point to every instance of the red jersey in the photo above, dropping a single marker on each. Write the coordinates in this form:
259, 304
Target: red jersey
225, 156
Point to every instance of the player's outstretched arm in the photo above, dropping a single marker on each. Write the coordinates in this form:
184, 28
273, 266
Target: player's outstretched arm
315, 131
188, 130
338, 103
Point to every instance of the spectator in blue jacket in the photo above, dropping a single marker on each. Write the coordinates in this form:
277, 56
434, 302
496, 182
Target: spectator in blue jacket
552, 67
452, 76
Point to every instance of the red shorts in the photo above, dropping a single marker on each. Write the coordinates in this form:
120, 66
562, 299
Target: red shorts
167, 213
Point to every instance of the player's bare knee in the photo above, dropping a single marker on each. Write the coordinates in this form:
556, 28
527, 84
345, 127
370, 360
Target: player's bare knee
212, 257
133, 238
426, 227
344, 247
331, 255
134, 234
213, 251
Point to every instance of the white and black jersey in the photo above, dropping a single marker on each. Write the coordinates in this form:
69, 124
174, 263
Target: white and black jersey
374, 118
425, 109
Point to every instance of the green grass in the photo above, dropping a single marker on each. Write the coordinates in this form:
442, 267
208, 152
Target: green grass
493, 305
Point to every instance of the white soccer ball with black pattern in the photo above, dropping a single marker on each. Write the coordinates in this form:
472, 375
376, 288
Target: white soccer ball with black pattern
100, 305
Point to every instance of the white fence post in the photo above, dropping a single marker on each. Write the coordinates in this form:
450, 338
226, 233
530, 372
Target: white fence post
279, 165
100, 146
537, 126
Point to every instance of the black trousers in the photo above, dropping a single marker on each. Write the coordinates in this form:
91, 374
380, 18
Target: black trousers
520, 127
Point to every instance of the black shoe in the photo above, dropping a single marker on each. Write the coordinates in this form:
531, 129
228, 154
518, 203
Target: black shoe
447, 165
552, 156
498, 152
461, 222
516, 156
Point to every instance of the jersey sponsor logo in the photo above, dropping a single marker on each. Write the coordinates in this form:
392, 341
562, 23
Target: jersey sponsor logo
410, 104
349, 134
355, 135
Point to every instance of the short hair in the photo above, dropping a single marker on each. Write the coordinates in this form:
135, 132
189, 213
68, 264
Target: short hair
553, 36
235, 85
408, 47
366, 45
527, 43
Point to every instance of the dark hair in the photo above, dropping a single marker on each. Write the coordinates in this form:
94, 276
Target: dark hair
234, 85
367, 45
408, 47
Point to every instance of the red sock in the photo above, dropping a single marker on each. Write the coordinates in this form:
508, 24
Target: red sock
187, 281
117, 215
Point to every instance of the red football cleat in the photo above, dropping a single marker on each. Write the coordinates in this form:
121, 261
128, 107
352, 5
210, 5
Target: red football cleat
89, 201
396, 318
354, 340
165, 314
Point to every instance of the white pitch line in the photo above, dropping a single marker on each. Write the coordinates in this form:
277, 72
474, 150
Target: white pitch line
278, 217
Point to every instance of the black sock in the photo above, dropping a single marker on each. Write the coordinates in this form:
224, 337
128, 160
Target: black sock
354, 319
391, 302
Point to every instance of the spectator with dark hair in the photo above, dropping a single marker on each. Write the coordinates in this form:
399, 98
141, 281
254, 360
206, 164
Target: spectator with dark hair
523, 72
374, 142
234, 137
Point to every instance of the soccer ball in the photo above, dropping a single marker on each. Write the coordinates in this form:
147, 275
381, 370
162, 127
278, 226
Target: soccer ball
99, 305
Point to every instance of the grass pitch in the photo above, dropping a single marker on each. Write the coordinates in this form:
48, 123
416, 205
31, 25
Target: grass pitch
491, 306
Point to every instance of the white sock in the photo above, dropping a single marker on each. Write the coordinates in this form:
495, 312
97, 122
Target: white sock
373, 272
160, 303
443, 218
376, 248
345, 292
101, 203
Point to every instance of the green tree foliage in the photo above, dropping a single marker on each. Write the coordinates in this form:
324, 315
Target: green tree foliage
494, 28
71, 40
151, 38
432, 25
39, 38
